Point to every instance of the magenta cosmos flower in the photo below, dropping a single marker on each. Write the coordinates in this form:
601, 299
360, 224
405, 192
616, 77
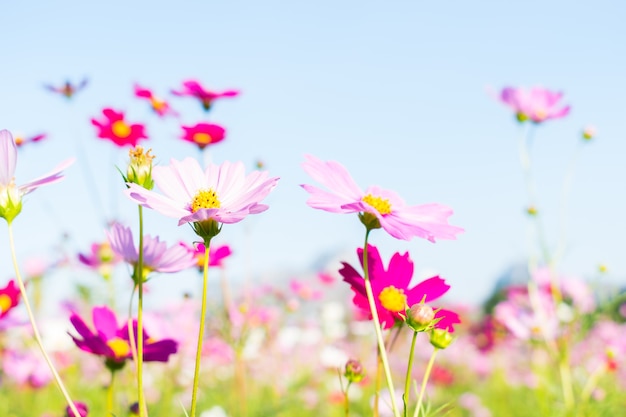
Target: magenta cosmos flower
114, 128
68, 90
10, 194
203, 134
392, 291
428, 221
537, 104
217, 254
23, 140
221, 193
110, 340
9, 298
159, 106
193, 88
157, 256
101, 258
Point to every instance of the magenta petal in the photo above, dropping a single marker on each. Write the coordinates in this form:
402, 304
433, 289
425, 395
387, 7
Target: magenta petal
400, 270
159, 351
352, 277
448, 320
432, 288
105, 322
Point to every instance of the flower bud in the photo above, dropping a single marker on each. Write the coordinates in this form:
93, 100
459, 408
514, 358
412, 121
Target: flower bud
354, 371
440, 338
10, 202
370, 221
589, 133
81, 407
140, 168
420, 317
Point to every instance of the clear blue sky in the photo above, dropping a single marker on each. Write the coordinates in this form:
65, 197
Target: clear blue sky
396, 91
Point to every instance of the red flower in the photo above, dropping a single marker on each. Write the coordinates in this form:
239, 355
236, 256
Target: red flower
160, 107
68, 89
117, 130
203, 134
193, 88
9, 298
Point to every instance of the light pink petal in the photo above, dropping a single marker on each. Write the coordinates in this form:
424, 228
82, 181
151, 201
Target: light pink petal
53, 176
327, 201
158, 202
8, 157
121, 240
333, 176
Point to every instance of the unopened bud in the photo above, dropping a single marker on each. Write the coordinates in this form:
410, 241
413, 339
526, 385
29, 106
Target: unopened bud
589, 133
354, 371
140, 168
420, 317
531, 211
440, 338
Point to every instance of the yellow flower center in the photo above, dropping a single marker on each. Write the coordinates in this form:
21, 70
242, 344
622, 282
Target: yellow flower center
120, 129
205, 199
5, 303
120, 347
19, 140
381, 205
202, 138
393, 299
157, 105
105, 253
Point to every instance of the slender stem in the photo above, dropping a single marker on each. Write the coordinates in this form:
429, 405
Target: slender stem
33, 324
346, 400
591, 383
379, 335
110, 394
196, 374
566, 381
143, 408
429, 368
407, 381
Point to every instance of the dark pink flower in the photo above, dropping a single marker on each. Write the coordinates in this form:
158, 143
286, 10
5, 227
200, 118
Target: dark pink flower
193, 88
159, 106
203, 134
23, 140
9, 298
392, 291
114, 128
68, 90
101, 258
537, 104
217, 254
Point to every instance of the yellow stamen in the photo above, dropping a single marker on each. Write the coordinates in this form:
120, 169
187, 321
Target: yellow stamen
393, 299
18, 140
202, 138
205, 199
5, 303
120, 129
381, 205
157, 105
120, 347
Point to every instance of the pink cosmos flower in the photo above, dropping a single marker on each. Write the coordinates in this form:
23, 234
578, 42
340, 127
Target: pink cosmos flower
159, 106
25, 368
203, 134
22, 140
537, 104
223, 193
217, 254
114, 128
193, 88
68, 90
156, 255
111, 340
9, 298
428, 221
391, 290
101, 258
10, 194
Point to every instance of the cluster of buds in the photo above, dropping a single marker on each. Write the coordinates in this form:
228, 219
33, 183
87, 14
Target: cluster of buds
421, 318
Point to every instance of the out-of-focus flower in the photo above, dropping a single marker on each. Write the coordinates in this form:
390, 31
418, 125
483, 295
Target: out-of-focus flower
159, 106
102, 258
589, 132
111, 341
68, 90
391, 290
114, 128
193, 88
23, 140
304, 291
26, 368
9, 298
354, 371
207, 199
10, 194
537, 104
82, 408
203, 134
157, 256
217, 254
376, 207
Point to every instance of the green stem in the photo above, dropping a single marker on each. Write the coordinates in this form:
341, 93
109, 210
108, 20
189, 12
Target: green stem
33, 324
143, 408
379, 335
346, 400
407, 381
196, 374
110, 394
429, 368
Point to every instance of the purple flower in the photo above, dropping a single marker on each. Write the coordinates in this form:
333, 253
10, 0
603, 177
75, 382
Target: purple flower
537, 104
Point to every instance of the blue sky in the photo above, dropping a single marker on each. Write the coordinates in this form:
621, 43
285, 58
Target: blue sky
396, 91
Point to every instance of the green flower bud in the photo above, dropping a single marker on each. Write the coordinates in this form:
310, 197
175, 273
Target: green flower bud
440, 338
354, 371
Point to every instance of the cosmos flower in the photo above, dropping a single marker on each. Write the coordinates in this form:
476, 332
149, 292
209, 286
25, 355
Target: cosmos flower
26, 368
101, 258
68, 90
110, 340
21, 140
10, 194
217, 254
193, 88
392, 290
9, 298
114, 128
159, 106
203, 134
157, 256
537, 104
379, 207
222, 193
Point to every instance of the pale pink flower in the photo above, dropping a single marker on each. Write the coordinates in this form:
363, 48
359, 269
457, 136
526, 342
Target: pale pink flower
537, 104
428, 221
223, 193
194, 89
